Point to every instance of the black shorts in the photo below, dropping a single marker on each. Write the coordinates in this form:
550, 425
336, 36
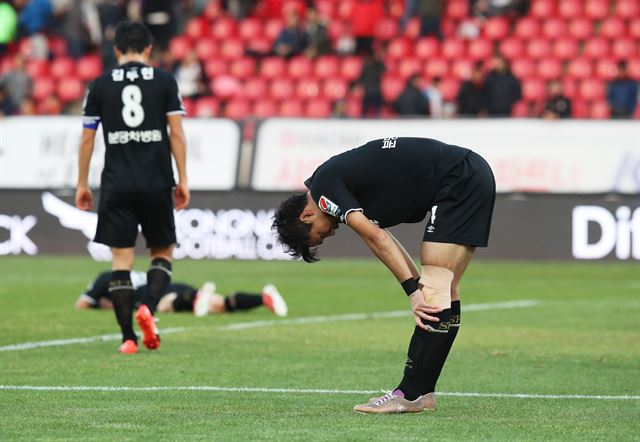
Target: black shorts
120, 213
463, 206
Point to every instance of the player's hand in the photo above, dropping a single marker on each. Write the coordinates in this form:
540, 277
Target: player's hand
421, 310
84, 198
182, 196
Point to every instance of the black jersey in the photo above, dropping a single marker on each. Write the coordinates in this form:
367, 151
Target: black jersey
391, 180
132, 102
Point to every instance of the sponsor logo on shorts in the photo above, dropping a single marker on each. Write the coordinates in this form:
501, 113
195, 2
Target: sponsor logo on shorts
328, 206
432, 221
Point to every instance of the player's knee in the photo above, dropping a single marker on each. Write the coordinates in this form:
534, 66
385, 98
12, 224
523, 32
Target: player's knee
436, 282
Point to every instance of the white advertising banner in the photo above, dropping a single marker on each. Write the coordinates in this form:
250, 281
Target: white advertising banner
42, 152
526, 155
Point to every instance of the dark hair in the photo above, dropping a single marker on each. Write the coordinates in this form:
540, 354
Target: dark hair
132, 37
293, 234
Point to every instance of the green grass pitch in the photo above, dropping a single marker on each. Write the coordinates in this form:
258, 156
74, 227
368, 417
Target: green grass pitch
581, 337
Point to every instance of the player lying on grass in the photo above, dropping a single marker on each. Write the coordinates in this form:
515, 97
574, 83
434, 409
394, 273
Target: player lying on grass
181, 297
388, 182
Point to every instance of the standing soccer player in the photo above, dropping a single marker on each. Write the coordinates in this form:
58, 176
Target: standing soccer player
393, 181
135, 102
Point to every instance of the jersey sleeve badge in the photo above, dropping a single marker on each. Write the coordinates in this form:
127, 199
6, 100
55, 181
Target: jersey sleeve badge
328, 206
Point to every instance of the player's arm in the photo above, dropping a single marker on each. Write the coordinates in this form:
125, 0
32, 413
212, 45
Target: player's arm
415, 273
84, 198
179, 151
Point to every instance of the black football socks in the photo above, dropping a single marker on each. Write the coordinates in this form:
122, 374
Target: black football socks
242, 301
158, 279
121, 291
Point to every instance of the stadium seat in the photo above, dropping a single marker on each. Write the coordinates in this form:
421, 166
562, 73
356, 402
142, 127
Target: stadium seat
350, 67
189, 106
523, 68
625, 48
299, 66
592, 89
212, 10
412, 29
226, 86
496, 28
36, 68
307, 88
629, 9
265, 108
354, 108
255, 88
538, 48
237, 109
89, 67
480, 49
272, 28
395, 8
520, 109
206, 48
427, 47
600, 110
565, 48
70, 89
196, 29
579, 109
49, 106
549, 69
327, 8
392, 86
250, 28
179, 46
43, 87
335, 89
449, 88
291, 108
318, 108
437, 67
457, 9
554, 27
62, 67
512, 47
596, 48
272, 67
533, 90
281, 88
386, 29
570, 8
224, 28
206, 107
580, 68
569, 87
634, 28
581, 28
231, 49
7, 63
399, 48
633, 68
409, 66
244, 67
327, 66
606, 68
596, 9
57, 46
453, 48
462, 68
260, 45
215, 66
613, 28
527, 28
543, 8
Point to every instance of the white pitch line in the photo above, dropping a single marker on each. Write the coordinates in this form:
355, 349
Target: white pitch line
270, 323
306, 391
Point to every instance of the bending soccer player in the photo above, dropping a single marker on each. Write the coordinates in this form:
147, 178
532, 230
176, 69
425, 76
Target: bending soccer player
135, 103
393, 181
182, 297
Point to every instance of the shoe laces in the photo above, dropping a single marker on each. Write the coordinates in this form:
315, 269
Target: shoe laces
388, 396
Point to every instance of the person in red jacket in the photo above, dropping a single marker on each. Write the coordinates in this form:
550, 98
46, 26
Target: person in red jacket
365, 16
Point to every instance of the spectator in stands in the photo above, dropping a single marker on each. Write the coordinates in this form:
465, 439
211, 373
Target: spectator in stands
17, 82
472, 97
35, 15
371, 79
434, 95
502, 87
489, 8
239, 9
409, 11
160, 16
316, 34
412, 101
50, 106
346, 43
191, 77
365, 16
8, 25
430, 12
622, 93
79, 24
291, 40
557, 105
339, 109
27, 107
7, 107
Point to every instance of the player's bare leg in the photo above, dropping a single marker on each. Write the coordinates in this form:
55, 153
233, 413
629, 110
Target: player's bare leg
121, 291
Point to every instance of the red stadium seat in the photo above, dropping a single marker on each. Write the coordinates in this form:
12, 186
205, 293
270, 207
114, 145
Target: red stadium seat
255, 88
399, 48
480, 49
549, 69
633, 68
427, 47
596, 48
565, 48
224, 28
231, 49
437, 67
634, 30
265, 108
543, 8
57, 46
37, 68
272, 67
250, 28
291, 108
62, 67
281, 88
7, 63
392, 86
272, 28
512, 48
462, 68
335, 88
569, 87
386, 29
327, 8
243, 67
581, 28
625, 48
579, 109
70, 89
344, 9
570, 8
412, 29
396, 8
50, 106
336, 29
580, 68
629, 9
43, 87
592, 89
237, 109
409, 66
520, 109
449, 88
496, 28
613, 28
215, 66
354, 108
538, 48
89, 67
327, 66
533, 90
606, 68
260, 45
600, 110
596, 9
206, 107
350, 67
307, 88
453, 48
318, 108
523, 68
179, 46
299, 67
213, 10
554, 27
196, 29
457, 9
226, 86
206, 48
189, 105
527, 28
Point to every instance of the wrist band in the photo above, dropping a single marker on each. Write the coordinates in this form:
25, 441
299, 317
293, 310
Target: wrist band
409, 286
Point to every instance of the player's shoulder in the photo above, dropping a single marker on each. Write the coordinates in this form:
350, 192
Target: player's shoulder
162, 75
